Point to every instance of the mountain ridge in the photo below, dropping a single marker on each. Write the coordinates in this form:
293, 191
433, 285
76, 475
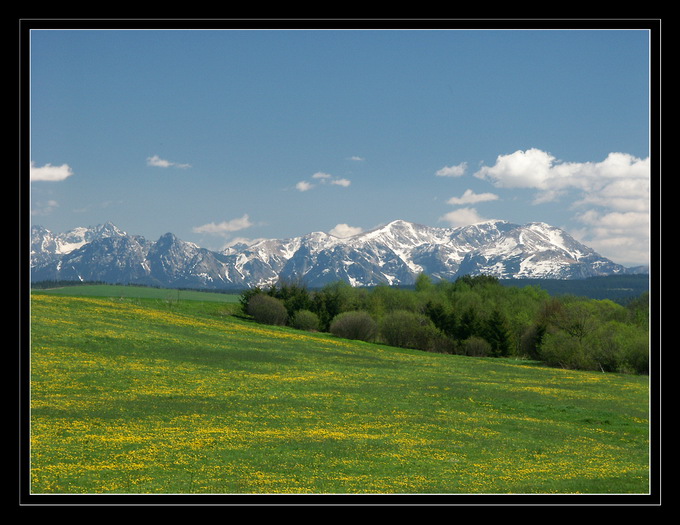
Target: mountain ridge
394, 253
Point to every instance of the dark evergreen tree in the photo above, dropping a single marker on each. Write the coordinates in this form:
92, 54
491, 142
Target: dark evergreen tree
467, 325
497, 334
294, 295
441, 317
331, 300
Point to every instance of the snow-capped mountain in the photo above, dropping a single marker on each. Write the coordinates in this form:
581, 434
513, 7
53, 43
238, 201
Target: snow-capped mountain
393, 254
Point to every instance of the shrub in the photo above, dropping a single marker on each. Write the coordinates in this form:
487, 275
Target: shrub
565, 350
246, 296
354, 325
407, 329
305, 320
475, 347
636, 355
632, 344
266, 309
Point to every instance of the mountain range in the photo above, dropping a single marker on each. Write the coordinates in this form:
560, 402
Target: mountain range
394, 254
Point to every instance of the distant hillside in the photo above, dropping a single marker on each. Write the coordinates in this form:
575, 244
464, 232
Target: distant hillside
618, 288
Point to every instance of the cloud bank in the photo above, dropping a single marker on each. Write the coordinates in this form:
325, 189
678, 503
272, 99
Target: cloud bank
610, 199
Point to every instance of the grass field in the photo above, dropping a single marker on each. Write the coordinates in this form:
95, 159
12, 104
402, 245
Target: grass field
141, 292
154, 395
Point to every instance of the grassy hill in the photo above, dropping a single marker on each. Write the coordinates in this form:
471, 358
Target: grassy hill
141, 292
154, 395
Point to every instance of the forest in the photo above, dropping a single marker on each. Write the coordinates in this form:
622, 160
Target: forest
473, 316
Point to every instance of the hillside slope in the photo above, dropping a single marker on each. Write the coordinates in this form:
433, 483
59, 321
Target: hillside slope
140, 396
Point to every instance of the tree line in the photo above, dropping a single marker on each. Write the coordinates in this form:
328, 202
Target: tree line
474, 316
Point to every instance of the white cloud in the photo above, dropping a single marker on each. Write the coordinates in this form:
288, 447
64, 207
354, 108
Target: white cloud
462, 217
470, 197
226, 227
357, 158
322, 178
620, 195
536, 169
345, 230
49, 172
162, 163
622, 236
522, 169
613, 196
341, 182
452, 171
304, 186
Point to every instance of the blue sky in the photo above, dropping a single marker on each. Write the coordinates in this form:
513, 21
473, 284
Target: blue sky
217, 135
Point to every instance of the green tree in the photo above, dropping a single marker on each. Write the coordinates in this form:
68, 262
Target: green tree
531, 339
468, 324
478, 281
496, 332
245, 296
330, 301
562, 349
294, 295
578, 318
638, 310
441, 317
424, 283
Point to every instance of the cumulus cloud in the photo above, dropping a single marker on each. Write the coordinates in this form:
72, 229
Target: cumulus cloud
345, 230
162, 163
623, 195
462, 217
619, 175
470, 197
357, 158
466, 216
622, 236
321, 175
452, 171
341, 182
225, 228
522, 169
49, 172
303, 185
613, 195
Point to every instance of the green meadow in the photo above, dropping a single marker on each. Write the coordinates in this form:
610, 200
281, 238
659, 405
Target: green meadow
134, 391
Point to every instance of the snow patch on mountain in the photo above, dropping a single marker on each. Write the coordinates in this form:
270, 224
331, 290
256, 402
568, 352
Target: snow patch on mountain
394, 254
